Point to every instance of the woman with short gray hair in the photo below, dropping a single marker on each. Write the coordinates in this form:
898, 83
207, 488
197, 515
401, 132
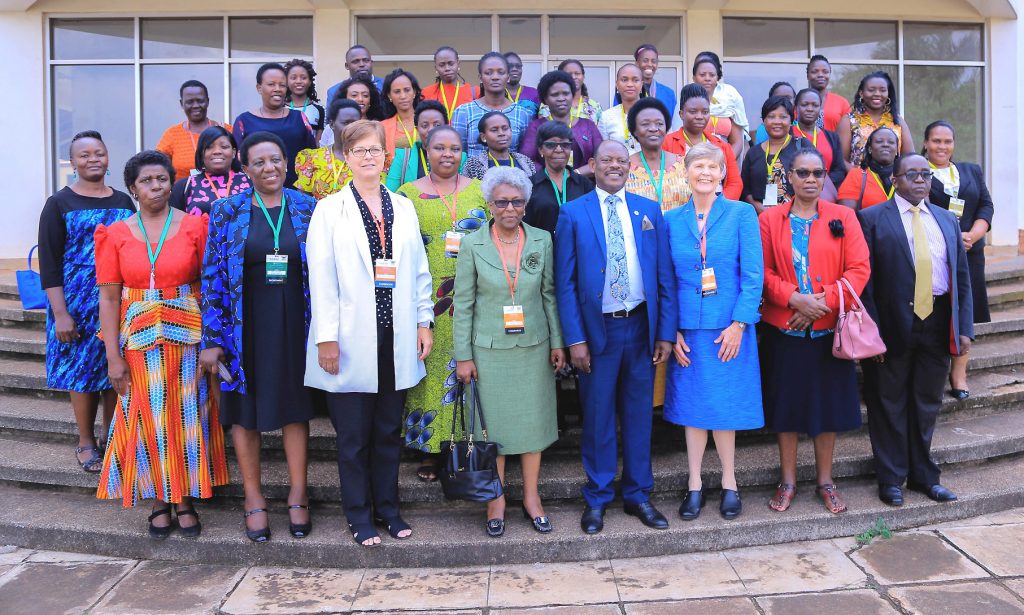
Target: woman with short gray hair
507, 335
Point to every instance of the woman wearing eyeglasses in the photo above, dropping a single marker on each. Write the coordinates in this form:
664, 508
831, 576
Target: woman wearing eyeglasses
448, 205
557, 182
809, 244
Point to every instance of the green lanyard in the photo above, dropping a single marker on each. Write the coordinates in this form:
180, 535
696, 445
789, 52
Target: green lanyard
149, 248
661, 174
559, 196
280, 219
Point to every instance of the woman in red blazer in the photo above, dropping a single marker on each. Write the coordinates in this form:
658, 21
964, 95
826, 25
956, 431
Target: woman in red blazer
809, 244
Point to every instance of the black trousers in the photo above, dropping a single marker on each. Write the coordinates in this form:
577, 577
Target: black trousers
369, 441
903, 396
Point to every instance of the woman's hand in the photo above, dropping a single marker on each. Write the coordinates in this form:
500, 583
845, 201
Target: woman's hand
119, 374
424, 342
465, 371
730, 339
558, 359
209, 357
808, 308
65, 328
327, 355
680, 349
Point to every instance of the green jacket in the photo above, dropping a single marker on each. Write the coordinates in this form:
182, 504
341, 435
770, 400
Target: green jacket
481, 291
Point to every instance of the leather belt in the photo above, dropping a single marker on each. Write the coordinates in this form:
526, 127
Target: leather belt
626, 313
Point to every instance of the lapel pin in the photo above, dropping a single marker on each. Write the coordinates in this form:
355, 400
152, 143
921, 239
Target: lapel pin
636, 213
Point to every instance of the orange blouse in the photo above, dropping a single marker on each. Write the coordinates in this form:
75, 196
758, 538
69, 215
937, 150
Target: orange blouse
180, 144
451, 96
121, 258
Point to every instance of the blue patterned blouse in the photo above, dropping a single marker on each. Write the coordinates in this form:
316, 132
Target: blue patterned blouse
801, 265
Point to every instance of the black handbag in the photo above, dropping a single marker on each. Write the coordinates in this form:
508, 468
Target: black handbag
470, 469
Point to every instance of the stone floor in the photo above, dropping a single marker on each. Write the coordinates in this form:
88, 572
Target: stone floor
975, 566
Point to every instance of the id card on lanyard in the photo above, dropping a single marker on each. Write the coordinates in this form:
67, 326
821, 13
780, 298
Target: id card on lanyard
512, 316
277, 264
385, 270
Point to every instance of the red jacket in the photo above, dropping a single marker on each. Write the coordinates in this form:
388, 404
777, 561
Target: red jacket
830, 258
732, 187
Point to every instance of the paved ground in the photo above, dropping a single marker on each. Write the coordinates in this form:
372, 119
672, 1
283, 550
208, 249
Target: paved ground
975, 566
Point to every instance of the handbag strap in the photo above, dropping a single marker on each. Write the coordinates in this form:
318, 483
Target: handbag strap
459, 412
853, 293
477, 408
30, 252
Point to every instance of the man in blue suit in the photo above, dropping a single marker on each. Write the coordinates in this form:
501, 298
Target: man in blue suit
616, 300
919, 293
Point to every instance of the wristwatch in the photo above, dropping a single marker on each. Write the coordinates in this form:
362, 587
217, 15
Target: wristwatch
742, 325
426, 325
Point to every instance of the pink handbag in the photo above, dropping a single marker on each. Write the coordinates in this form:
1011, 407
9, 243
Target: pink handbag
856, 335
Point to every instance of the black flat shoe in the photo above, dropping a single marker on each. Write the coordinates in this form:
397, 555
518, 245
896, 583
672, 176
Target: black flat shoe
648, 515
299, 530
260, 535
495, 527
363, 532
160, 533
692, 504
394, 527
191, 531
960, 394
731, 506
592, 520
890, 494
542, 524
934, 492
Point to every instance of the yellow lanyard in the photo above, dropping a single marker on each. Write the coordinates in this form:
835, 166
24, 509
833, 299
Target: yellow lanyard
625, 127
578, 114
336, 169
776, 159
444, 97
519, 93
703, 139
714, 123
804, 135
952, 172
879, 182
511, 159
423, 159
410, 138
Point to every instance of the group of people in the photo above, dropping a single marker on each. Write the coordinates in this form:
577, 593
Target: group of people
370, 258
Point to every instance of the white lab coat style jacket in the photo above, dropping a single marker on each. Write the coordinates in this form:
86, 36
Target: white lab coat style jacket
342, 295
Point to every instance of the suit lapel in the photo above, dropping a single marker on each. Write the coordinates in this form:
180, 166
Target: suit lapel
636, 219
892, 214
593, 208
717, 211
487, 251
690, 218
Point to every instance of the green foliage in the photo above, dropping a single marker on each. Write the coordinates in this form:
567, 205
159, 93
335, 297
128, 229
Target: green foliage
880, 529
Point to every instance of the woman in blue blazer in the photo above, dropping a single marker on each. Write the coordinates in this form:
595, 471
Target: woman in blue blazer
715, 383
255, 266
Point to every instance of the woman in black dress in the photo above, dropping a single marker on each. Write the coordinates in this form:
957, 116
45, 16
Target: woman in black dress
557, 183
960, 188
255, 321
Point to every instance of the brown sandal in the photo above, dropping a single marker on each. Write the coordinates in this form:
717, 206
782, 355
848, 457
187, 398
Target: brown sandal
830, 496
783, 497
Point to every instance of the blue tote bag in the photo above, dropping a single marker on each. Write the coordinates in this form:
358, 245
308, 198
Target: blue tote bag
30, 286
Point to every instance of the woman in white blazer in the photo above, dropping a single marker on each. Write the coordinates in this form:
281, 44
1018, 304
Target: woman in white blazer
371, 328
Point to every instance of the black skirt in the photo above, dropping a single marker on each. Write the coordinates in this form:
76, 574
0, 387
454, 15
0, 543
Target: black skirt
806, 389
979, 290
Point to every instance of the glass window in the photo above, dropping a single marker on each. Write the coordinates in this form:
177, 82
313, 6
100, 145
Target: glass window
846, 77
598, 80
161, 85
754, 79
775, 39
615, 36
934, 41
423, 35
519, 34
183, 38
243, 89
952, 93
93, 39
278, 37
424, 71
855, 40
98, 98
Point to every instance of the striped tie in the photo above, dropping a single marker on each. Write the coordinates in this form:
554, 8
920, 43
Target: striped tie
923, 297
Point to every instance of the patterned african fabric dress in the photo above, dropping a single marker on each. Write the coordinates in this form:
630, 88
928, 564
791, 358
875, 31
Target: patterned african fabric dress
861, 127
165, 440
67, 258
430, 403
320, 172
196, 193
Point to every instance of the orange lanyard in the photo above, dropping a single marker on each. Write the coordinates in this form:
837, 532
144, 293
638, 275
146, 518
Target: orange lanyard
878, 181
192, 135
512, 284
804, 134
381, 234
227, 189
455, 99
453, 206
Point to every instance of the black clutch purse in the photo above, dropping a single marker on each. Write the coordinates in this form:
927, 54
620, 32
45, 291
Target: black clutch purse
470, 469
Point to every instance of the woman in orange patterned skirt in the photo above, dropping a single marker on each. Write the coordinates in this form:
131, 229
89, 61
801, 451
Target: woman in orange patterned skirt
165, 441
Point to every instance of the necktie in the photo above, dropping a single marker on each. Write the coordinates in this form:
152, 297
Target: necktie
617, 251
923, 266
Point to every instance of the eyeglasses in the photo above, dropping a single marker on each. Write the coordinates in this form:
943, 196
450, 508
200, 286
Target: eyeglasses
504, 203
913, 176
259, 164
553, 145
805, 173
362, 152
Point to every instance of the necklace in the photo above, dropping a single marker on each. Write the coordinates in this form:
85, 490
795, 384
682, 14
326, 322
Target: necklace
508, 243
263, 113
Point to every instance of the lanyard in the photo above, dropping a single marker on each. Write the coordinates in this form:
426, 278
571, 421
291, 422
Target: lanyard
879, 182
149, 248
455, 99
409, 138
280, 219
661, 174
804, 135
512, 284
625, 126
423, 159
954, 180
771, 166
227, 189
335, 170
380, 224
559, 196
497, 163
519, 93
714, 124
578, 114
192, 135
702, 224
703, 139
453, 206
291, 105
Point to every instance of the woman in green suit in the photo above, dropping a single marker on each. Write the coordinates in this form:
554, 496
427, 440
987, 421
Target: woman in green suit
507, 335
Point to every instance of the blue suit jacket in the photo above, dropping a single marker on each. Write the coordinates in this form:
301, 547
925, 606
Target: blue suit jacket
889, 294
733, 250
581, 254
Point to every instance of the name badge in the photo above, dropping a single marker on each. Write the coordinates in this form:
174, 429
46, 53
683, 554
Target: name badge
277, 268
708, 284
452, 244
952, 191
771, 195
385, 273
956, 206
515, 321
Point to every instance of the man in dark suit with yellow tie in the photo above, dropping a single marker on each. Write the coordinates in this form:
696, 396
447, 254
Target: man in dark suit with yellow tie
920, 296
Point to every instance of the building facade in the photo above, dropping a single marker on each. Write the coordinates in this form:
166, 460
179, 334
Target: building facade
110, 66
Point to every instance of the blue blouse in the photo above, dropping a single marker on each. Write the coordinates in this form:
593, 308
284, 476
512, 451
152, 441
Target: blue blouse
801, 264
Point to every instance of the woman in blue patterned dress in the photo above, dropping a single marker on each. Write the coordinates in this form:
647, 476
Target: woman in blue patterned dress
76, 360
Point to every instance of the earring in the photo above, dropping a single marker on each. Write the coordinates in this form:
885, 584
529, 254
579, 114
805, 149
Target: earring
108, 172
888, 105
74, 176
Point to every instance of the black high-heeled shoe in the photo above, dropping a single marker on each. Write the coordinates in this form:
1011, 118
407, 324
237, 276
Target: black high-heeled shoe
160, 533
260, 535
299, 530
542, 524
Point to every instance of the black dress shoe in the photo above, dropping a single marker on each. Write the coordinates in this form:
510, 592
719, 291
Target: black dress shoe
891, 494
495, 528
692, 504
960, 394
934, 492
731, 506
542, 524
592, 520
647, 514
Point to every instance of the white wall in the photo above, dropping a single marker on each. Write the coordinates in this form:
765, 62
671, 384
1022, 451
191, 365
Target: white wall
1006, 103
23, 171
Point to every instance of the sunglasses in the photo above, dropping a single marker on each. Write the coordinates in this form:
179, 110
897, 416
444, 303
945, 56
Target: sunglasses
504, 203
553, 145
916, 175
805, 173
